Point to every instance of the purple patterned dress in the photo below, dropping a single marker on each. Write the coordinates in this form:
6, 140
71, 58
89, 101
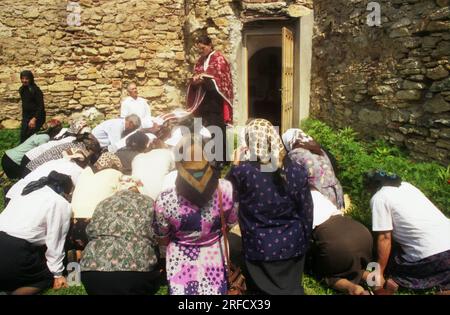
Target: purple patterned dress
194, 260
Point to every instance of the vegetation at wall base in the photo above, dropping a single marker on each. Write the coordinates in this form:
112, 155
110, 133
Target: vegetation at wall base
355, 157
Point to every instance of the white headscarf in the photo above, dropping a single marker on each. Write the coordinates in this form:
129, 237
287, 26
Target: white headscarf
294, 134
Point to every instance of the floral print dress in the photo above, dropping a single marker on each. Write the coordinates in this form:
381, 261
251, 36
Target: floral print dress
194, 257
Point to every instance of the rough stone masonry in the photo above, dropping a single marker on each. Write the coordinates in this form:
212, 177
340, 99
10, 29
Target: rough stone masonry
390, 81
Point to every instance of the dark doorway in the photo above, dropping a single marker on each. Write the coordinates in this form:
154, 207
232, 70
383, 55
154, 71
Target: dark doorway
264, 85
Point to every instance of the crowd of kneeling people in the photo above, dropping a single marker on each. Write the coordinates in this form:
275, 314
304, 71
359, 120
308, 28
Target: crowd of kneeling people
116, 199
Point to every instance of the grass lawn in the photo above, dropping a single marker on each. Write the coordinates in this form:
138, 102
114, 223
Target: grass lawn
10, 138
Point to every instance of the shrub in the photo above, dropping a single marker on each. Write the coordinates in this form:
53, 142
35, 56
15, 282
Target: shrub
356, 157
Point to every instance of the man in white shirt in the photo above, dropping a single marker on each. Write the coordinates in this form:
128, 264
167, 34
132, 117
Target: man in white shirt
112, 131
402, 213
133, 104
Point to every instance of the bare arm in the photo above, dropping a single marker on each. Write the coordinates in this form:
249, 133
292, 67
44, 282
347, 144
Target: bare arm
384, 245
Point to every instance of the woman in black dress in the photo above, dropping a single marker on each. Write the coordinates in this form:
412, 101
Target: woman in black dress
33, 111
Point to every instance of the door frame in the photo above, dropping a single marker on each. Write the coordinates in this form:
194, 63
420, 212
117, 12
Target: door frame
244, 67
303, 32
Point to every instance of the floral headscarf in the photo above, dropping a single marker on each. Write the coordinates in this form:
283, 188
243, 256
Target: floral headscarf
108, 160
264, 142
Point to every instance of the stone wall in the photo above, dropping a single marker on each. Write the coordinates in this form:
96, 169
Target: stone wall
118, 41
390, 81
85, 66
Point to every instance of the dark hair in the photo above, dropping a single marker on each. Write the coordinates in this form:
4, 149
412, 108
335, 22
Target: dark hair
28, 74
32, 87
374, 180
137, 141
92, 145
205, 40
53, 131
60, 183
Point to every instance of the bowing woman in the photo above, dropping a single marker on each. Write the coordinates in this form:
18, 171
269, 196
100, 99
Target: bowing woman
210, 93
33, 111
33, 229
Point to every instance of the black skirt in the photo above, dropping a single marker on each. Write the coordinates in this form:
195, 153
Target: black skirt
342, 249
12, 170
283, 277
22, 265
121, 282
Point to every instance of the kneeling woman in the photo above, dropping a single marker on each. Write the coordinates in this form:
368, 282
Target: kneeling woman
120, 257
342, 247
33, 230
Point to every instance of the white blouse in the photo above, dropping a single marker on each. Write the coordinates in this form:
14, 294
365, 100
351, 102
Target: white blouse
62, 166
41, 218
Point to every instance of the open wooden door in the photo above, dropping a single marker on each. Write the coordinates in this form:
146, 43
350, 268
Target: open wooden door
287, 81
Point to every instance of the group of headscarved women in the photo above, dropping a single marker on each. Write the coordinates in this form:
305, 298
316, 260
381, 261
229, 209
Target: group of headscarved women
121, 202
282, 192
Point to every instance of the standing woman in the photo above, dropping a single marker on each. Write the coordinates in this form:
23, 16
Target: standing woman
33, 111
275, 211
188, 221
210, 93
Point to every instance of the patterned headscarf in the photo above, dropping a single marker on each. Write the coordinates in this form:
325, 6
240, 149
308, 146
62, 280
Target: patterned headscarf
293, 135
76, 153
108, 160
129, 183
196, 180
79, 126
264, 142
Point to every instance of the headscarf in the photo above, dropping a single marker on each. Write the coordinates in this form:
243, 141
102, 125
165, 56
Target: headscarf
264, 142
130, 183
296, 138
294, 134
79, 126
196, 180
76, 154
59, 183
108, 160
